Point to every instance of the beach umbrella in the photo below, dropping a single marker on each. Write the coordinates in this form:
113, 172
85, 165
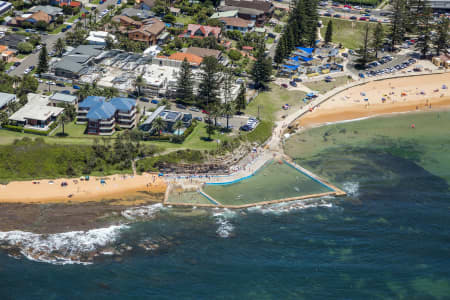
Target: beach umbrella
444, 86
363, 94
366, 99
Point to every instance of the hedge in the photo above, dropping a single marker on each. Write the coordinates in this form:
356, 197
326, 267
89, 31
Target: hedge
26, 130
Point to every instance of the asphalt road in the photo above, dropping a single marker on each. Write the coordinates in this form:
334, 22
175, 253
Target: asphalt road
49, 40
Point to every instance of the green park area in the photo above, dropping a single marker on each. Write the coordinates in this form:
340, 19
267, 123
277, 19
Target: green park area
348, 33
323, 86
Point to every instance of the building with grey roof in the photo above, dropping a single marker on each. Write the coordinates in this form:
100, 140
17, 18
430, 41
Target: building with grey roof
6, 99
77, 62
140, 13
61, 98
52, 11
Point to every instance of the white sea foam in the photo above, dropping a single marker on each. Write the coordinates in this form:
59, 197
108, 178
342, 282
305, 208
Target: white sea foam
142, 211
351, 188
60, 248
286, 207
223, 217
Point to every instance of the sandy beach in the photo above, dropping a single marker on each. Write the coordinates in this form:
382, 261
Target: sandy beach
420, 93
77, 190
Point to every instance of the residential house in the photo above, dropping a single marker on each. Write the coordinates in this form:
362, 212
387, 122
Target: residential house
139, 13
52, 11
145, 4
60, 99
204, 52
169, 117
4, 7
102, 116
6, 54
148, 32
99, 37
77, 62
32, 18
225, 14
126, 23
6, 99
36, 114
239, 24
256, 10
191, 58
12, 40
201, 31
174, 11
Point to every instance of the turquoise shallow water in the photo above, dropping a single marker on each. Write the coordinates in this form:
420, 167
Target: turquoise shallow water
388, 239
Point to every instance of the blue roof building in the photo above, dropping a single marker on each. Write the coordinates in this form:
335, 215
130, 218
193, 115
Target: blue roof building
102, 116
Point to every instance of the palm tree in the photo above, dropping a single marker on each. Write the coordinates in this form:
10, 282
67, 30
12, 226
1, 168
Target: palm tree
83, 92
62, 120
158, 125
139, 82
177, 126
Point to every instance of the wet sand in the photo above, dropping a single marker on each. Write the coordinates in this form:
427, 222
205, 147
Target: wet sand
421, 93
78, 191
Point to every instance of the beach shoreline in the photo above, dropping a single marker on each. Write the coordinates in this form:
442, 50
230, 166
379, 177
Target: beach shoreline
378, 98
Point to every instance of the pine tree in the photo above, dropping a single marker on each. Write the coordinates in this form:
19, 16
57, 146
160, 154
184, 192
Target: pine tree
184, 83
363, 52
262, 69
398, 22
209, 86
241, 101
280, 51
424, 30
312, 19
378, 38
442, 41
43, 61
329, 32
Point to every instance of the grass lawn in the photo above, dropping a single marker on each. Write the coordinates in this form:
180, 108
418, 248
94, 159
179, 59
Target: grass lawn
322, 86
270, 41
95, 1
21, 56
270, 102
73, 18
73, 130
58, 29
349, 33
184, 19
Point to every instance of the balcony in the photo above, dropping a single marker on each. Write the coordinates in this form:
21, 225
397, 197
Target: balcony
129, 114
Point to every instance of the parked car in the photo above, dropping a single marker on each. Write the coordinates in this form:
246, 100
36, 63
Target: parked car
337, 16
205, 112
60, 84
363, 19
293, 83
16, 64
327, 15
361, 75
67, 92
154, 101
193, 108
75, 87
198, 118
297, 79
181, 106
143, 99
284, 85
353, 18
245, 128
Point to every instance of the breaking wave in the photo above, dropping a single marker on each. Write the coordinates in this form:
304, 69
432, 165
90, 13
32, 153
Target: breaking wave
222, 218
286, 207
142, 211
351, 188
75, 247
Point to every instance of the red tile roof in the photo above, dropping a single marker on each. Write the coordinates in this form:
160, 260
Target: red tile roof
205, 30
192, 58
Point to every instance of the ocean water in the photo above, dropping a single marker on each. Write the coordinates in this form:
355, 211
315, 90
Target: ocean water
389, 238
